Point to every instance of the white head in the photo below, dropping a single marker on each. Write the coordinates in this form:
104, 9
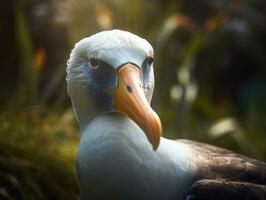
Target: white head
113, 71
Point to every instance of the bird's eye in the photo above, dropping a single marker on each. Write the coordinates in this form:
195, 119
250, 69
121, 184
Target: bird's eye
150, 60
94, 63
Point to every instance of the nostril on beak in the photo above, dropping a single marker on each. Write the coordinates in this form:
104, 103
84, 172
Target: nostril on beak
129, 89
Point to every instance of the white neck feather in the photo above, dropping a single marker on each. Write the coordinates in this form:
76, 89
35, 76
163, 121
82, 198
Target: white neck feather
121, 162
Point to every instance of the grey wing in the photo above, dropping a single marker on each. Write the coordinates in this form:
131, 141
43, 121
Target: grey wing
220, 163
223, 174
220, 189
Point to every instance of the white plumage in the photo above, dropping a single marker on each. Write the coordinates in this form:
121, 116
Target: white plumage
114, 47
116, 161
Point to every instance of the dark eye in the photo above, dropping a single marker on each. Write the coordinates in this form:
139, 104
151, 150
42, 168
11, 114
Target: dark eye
94, 63
150, 60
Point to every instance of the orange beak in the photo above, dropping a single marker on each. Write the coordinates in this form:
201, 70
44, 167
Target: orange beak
129, 98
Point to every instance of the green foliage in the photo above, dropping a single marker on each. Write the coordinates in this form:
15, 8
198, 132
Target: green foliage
29, 85
38, 152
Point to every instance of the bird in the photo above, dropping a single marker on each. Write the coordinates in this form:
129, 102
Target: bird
122, 153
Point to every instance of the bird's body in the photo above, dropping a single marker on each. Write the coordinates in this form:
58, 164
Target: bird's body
118, 159
135, 171
121, 153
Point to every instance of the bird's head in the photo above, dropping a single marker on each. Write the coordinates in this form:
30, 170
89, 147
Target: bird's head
112, 71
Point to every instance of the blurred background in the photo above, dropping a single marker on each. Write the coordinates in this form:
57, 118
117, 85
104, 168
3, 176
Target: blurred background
210, 58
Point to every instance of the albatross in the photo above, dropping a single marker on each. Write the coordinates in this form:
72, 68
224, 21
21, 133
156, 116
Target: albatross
122, 154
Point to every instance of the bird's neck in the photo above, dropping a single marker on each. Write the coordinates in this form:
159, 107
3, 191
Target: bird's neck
81, 110
88, 104
115, 155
